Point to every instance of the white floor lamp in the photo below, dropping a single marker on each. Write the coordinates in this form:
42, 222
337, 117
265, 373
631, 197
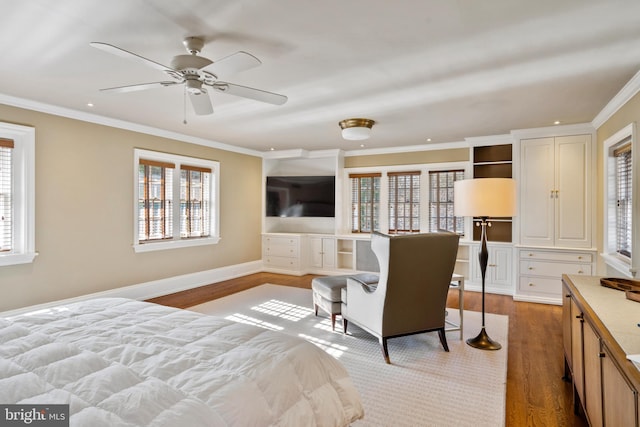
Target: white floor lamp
483, 198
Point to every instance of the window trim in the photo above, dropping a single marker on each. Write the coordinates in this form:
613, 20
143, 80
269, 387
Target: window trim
23, 188
627, 266
176, 241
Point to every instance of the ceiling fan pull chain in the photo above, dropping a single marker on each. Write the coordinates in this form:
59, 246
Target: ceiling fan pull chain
184, 104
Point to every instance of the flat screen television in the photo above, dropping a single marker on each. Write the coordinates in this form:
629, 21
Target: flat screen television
301, 196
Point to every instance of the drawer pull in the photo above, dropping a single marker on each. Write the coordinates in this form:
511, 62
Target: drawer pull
530, 268
580, 316
601, 354
531, 284
579, 257
580, 271
530, 254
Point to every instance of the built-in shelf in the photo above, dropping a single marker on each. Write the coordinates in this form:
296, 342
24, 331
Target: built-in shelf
493, 161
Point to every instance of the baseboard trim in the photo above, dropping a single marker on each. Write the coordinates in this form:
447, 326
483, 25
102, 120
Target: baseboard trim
155, 288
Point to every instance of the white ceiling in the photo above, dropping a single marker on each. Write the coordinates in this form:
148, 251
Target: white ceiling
439, 69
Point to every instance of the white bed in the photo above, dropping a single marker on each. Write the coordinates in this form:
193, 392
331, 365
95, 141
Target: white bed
120, 362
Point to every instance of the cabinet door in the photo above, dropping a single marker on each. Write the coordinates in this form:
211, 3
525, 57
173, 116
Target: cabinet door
315, 252
573, 198
566, 324
576, 349
328, 252
322, 252
536, 192
619, 399
501, 265
592, 384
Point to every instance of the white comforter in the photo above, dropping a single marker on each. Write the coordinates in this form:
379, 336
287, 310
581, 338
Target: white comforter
120, 362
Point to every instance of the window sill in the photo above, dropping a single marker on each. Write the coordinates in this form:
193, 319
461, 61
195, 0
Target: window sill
15, 259
618, 264
174, 244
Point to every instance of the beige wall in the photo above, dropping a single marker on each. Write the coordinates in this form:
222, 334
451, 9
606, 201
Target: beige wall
84, 212
412, 158
629, 113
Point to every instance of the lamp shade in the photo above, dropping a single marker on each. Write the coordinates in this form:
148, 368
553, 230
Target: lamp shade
484, 197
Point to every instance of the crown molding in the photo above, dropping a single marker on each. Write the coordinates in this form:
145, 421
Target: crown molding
559, 130
626, 93
119, 124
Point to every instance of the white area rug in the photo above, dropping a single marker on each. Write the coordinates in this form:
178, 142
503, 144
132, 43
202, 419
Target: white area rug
424, 385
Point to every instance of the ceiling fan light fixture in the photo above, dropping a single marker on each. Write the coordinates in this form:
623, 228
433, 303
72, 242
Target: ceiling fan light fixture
356, 129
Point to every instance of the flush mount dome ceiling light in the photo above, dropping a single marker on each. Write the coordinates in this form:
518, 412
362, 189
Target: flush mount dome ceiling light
356, 129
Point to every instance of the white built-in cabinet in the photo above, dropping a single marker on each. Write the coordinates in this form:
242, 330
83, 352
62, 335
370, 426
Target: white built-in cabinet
555, 195
499, 277
321, 251
555, 215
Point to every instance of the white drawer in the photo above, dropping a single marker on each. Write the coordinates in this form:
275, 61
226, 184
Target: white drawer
556, 256
281, 251
282, 262
542, 286
553, 269
281, 241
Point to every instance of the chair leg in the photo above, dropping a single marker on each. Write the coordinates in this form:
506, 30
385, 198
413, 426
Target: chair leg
333, 322
385, 350
344, 325
443, 339
316, 308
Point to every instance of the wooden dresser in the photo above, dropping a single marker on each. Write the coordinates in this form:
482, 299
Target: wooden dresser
600, 328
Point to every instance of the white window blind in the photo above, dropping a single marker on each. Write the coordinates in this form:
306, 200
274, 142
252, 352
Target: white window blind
6, 191
624, 198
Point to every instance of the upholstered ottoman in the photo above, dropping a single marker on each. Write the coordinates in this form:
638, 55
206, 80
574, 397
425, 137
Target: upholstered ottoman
327, 292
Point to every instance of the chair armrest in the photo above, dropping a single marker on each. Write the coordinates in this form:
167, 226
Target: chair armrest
368, 286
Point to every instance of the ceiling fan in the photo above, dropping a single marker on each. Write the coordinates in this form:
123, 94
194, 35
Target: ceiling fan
196, 73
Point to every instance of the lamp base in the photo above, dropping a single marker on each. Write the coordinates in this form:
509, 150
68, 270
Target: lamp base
483, 342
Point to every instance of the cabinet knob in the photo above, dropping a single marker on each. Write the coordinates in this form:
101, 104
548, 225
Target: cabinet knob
530, 254
580, 316
568, 295
580, 271
601, 354
530, 268
579, 257
531, 284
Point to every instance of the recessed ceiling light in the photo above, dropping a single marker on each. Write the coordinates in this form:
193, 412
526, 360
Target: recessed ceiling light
557, 122
89, 104
428, 139
272, 149
361, 145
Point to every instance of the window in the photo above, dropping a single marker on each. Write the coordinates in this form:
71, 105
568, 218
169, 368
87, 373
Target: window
17, 194
441, 201
624, 210
6, 206
621, 234
404, 202
176, 202
365, 202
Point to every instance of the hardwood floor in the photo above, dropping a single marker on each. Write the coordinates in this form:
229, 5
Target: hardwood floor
536, 393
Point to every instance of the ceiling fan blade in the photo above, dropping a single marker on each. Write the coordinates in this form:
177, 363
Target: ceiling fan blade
233, 63
251, 93
142, 86
201, 103
132, 56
